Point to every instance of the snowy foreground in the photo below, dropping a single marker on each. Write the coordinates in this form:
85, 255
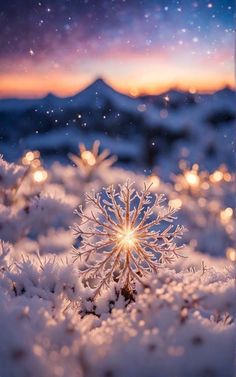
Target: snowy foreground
166, 317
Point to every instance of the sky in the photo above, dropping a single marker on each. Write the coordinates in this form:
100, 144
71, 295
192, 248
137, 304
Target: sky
137, 46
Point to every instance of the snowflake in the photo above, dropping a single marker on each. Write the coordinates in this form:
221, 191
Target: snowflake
125, 237
90, 160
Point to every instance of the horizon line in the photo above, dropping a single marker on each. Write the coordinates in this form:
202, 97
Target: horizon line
133, 94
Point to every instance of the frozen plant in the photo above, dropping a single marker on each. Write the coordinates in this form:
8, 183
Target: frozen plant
4, 251
11, 177
47, 211
90, 160
123, 239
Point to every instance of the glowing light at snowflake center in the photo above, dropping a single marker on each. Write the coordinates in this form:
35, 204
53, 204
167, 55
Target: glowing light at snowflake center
127, 238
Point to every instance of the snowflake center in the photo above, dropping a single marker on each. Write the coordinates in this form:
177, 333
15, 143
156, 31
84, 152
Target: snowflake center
127, 237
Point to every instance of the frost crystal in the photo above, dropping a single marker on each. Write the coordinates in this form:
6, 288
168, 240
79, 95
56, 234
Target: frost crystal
4, 251
10, 175
125, 237
90, 160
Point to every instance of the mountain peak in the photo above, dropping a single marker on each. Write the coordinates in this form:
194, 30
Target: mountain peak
226, 91
99, 83
50, 96
99, 87
99, 80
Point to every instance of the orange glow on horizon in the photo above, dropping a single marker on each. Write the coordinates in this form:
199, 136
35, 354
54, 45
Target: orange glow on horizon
126, 71
63, 84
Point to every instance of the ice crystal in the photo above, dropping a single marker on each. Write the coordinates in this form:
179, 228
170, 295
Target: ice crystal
90, 160
10, 174
126, 236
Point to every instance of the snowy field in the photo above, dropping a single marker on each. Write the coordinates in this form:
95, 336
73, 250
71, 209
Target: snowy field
118, 289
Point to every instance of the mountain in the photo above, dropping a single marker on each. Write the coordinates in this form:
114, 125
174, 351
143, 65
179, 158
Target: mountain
18, 104
226, 92
96, 96
21, 105
99, 94
172, 98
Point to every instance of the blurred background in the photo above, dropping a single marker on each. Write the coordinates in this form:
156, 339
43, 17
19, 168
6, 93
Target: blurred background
94, 94
153, 80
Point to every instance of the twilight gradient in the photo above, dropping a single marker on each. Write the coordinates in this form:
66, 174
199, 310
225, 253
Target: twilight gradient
137, 46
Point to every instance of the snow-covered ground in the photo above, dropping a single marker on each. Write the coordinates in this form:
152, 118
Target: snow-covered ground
178, 320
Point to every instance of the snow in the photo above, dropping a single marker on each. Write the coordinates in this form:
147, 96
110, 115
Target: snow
179, 321
99, 94
173, 326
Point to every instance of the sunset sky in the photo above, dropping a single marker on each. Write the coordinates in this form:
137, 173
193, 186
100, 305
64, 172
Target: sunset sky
148, 46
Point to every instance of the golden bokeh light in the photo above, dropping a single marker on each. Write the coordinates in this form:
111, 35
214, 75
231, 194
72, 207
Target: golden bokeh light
226, 215
30, 157
40, 176
192, 178
36, 163
231, 254
227, 177
154, 180
217, 176
175, 203
88, 157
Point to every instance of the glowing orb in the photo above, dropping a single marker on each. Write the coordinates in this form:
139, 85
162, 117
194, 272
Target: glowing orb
88, 157
40, 176
192, 178
231, 254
